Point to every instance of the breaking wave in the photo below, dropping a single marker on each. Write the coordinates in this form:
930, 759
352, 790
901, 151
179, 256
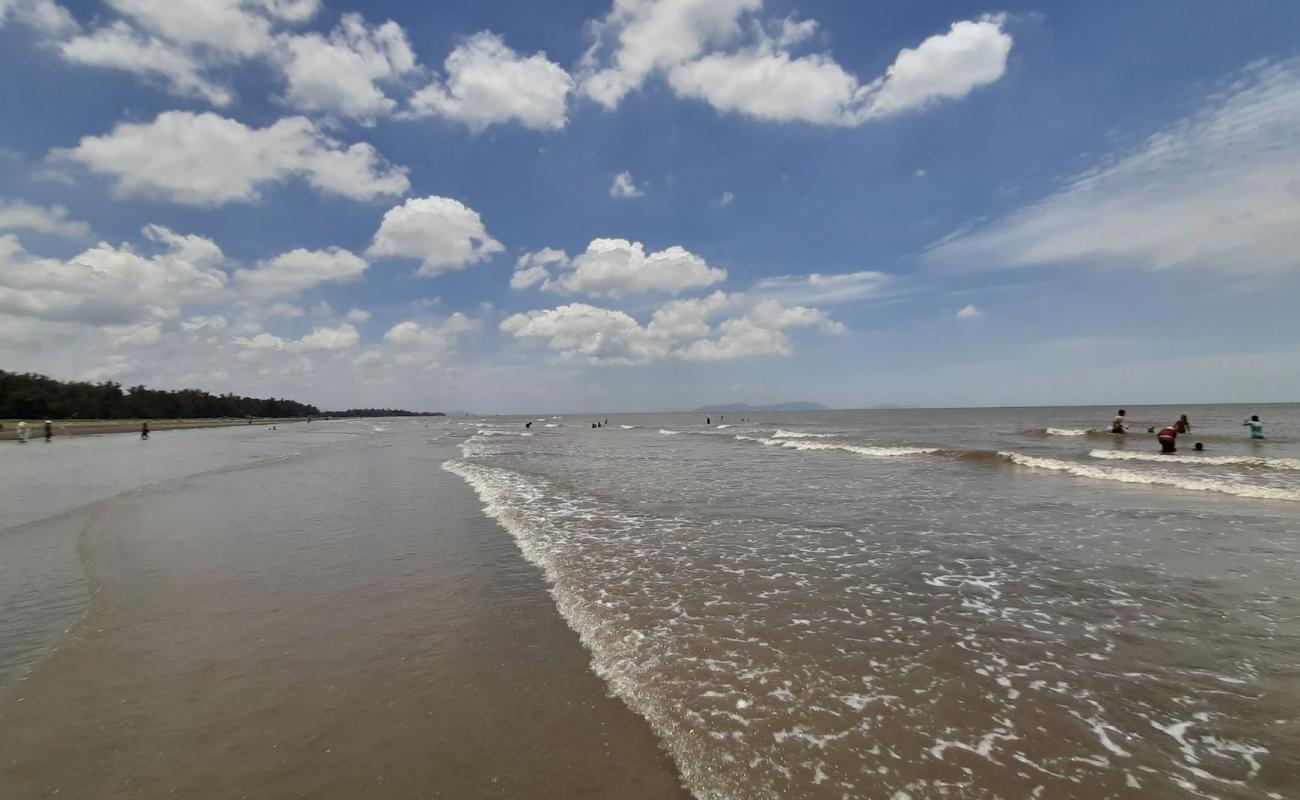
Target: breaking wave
862, 450
1214, 461
1152, 478
782, 434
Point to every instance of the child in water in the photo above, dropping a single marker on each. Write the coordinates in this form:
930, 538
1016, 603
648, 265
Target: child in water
1256, 427
1166, 436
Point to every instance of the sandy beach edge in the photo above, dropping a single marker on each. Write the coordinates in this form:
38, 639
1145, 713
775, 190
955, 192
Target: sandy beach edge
75, 427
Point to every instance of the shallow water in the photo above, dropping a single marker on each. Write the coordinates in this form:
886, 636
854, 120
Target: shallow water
928, 603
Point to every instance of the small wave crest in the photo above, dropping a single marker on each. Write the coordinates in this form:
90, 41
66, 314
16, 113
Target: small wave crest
862, 450
1213, 461
784, 434
667, 432
1152, 478
628, 427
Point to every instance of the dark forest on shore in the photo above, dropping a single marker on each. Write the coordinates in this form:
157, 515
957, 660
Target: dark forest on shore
32, 396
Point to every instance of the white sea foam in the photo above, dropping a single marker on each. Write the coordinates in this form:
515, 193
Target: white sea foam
720, 427
1152, 478
1067, 431
862, 450
551, 425
668, 432
628, 427
1215, 461
781, 434
485, 432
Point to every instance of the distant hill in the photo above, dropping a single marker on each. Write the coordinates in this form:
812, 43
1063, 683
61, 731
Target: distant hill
795, 406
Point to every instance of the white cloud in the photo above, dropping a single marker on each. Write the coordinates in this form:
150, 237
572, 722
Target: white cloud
489, 83
818, 288
679, 330
208, 160
357, 315
969, 311
726, 199
119, 46
286, 310
532, 268
617, 268
206, 323
947, 66
109, 285
623, 186
340, 337
767, 82
17, 215
293, 11
650, 35
412, 343
1219, 191
339, 74
300, 269
46, 16
443, 233
223, 27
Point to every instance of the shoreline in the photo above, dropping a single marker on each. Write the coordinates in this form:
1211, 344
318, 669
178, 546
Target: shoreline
95, 427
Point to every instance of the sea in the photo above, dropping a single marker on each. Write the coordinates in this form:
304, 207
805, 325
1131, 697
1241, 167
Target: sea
939, 603
927, 603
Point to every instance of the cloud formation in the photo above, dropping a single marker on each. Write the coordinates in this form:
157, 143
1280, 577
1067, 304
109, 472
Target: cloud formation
444, 234
488, 83
16, 215
617, 268
298, 270
209, 160
764, 79
1218, 191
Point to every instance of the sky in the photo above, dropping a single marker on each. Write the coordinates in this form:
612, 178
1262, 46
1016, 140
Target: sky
619, 205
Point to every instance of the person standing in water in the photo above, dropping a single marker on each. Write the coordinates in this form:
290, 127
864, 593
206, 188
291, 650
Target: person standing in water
1183, 425
1166, 436
22, 431
1256, 427
1117, 425
49, 430
144, 430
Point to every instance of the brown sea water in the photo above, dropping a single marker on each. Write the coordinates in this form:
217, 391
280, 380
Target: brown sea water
968, 604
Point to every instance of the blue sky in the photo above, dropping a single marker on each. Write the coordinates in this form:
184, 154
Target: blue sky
654, 204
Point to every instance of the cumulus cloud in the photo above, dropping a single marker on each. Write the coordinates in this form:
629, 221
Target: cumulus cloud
969, 311
418, 344
623, 186
222, 27
45, 16
820, 289
340, 74
208, 160
119, 46
111, 285
16, 215
764, 79
639, 37
293, 11
532, 268
618, 268
357, 315
767, 82
298, 270
1218, 191
339, 337
679, 330
444, 234
487, 83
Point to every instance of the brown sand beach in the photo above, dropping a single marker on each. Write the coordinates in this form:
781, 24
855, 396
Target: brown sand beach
335, 621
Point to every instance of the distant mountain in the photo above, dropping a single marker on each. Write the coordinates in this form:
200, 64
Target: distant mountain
795, 406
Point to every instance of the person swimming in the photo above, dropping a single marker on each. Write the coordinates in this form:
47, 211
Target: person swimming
1183, 425
1166, 437
1117, 424
1198, 447
1256, 427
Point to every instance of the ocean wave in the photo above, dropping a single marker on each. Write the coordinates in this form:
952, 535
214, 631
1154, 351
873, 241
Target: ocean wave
485, 432
551, 425
1152, 478
1066, 431
862, 450
782, 434
628, 427
1213, 461
668, 432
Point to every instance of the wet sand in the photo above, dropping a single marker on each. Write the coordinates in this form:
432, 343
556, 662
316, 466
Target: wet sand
76, 427
342, 623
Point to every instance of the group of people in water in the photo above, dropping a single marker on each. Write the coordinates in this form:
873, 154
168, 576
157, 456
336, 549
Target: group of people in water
1168, 435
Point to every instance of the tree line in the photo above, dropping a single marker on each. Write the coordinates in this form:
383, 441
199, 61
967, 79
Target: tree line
32, 396
382, 412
